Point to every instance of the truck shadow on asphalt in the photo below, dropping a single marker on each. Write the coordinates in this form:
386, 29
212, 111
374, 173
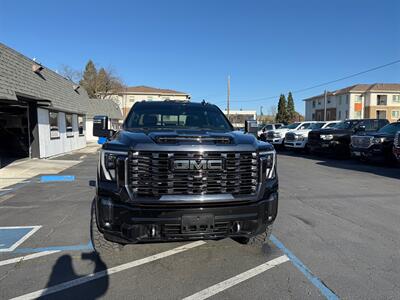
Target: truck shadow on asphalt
381, 169
63, 271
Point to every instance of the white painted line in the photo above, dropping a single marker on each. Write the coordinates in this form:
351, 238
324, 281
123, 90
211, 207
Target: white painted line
26, 257
23, 239
97, 275
226, 284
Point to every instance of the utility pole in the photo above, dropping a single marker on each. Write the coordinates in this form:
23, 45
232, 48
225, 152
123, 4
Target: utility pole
325, 100
229, 94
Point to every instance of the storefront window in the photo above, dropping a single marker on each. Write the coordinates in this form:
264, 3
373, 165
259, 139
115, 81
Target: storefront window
53, 121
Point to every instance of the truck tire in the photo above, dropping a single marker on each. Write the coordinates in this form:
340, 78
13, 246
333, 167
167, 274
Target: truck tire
101, 246
256, 241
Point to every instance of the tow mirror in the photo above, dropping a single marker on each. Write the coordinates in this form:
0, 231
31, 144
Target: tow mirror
250, 126
360, 128
100, 126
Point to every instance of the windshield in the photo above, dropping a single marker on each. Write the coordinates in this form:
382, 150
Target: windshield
346, 124
316, 125
390, 128
176, 116
292, 126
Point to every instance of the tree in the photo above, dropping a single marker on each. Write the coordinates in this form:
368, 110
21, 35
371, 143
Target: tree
290, 110
107, 83
70, 74
281, 116
89, 78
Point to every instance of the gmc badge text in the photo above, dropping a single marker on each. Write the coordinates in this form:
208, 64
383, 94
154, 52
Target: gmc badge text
178, 171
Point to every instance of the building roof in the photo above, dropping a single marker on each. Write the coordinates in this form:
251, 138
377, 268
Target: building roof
104, 107
363, 88
142, 89
17, 79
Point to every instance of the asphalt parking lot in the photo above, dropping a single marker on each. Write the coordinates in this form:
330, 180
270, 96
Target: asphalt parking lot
337, 235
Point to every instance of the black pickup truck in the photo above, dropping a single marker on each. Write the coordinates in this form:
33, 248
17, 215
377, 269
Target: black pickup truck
178, 171
376, 146
336, 140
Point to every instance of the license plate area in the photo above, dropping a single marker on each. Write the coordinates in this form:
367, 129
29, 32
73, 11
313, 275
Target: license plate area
197, 223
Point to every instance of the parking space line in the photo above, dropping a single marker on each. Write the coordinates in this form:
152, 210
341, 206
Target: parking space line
21, 240
324, 290
26, 257
226, 284
110, 271
55, 178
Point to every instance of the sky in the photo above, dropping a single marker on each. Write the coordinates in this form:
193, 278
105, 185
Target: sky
267, 47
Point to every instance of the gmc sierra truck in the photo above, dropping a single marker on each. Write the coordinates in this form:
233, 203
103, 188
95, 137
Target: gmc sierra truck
376, 146
178, 171
337, 140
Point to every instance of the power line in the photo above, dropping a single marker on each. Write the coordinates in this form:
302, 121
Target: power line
322, 84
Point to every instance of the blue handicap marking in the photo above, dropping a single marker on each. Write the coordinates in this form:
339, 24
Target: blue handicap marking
12, 237
54, 178
101, 140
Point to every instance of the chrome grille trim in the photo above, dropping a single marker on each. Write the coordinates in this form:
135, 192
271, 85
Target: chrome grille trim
397, 140
361, 141
150, 174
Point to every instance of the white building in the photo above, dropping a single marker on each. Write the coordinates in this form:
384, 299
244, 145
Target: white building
238, 117
41, 113
379, 100
130, 95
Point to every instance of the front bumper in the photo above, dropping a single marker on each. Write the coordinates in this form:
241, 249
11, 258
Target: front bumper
130, 222
296, 144
323, 146
374, 152
275, 141
396, 153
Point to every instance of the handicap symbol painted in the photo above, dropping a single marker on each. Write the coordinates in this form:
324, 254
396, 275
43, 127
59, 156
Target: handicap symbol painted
13, 236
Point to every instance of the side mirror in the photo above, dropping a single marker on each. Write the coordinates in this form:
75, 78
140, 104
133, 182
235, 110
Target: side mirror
250, 126
100, 126
360, 128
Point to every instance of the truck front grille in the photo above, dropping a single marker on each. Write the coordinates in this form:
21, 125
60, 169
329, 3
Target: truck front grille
314, 136
397, 140
290, 137
361, 141
153, 173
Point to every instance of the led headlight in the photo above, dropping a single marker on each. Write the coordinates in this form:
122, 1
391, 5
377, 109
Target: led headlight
327, 137
268, 163
378, 140
277, 134
108, 162
300, 137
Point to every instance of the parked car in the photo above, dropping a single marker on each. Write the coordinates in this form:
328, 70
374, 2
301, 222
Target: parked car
298, 139
336, 140
396, 146
277, 137
196, 179
267, 127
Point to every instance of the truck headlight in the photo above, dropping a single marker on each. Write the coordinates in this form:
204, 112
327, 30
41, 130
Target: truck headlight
378, 140
277, 134
327, 137
300, 137
268, 163
108, 162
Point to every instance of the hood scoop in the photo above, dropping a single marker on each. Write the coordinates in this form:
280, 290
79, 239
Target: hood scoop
193, 139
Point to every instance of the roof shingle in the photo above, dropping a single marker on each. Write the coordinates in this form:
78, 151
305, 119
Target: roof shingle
105, 107
18, 79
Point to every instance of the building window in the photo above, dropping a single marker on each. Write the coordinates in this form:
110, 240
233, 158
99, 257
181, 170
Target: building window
381, 100
131, 98
81, 125
347, 114
347, 99
381, 114
358, 99
68, 125
313, 117
395, 114
396, 98
357, 115
150, 98
53, 121
329, 100
313, 104
340, 115
340, 100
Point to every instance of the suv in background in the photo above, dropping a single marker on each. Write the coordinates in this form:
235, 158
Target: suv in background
336, 140
277, 137
178, 171
396, 146
375, 145
268, 127
298, 139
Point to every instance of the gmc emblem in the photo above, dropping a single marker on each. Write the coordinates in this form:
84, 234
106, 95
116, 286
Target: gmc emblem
197, 164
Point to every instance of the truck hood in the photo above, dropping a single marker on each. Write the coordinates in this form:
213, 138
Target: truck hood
303, 132
378, 135
333, 131
183, 140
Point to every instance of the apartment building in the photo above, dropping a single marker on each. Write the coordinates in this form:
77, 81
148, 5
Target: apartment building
130, 95
238, 117
379, 100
